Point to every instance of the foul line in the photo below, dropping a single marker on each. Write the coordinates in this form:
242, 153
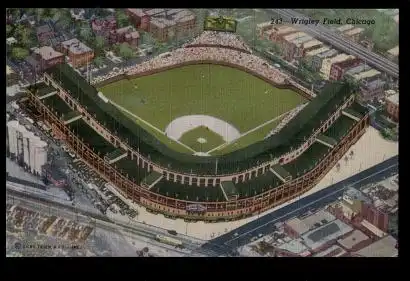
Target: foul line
150, 125
248, 132
310, 203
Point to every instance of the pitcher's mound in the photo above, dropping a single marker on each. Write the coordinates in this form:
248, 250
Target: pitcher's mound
201, 140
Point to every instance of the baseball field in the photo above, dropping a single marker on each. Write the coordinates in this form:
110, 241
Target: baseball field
203, 108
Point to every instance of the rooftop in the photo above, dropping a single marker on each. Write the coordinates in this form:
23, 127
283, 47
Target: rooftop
311, 43
374, 84
353, 239
347, 63
47, 53
318, 237
298, 41
354, 194
76, 46
295, 35
339, 58
334, 251
264, 24
385, 247
297, 225
358, 69
321, 216
354, 31
366, 74
345, 27
328, 54
394, 51
294, 246
317, 51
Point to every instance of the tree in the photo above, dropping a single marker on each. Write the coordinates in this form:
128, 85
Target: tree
9, 30
122, 19
86, 32
124, 50
19, 53
148, 39
98, 61
99, 42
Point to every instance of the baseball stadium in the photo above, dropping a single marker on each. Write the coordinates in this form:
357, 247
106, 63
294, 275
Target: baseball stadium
206, 132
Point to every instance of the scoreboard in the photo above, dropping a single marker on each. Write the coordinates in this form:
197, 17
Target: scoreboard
224, 24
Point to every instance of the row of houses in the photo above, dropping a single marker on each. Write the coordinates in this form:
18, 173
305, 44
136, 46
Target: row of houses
107, 29
330, 63
163, 24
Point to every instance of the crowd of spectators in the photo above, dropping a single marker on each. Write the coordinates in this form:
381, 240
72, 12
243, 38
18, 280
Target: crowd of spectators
221, 39
219, 54
286, 120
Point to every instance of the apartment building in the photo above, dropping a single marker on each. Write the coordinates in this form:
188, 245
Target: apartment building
103, 27
310, 54
125, 34
362, 67
308, 46
277, 33
317, 60
338, 69
328, 62
371, 89
291, 42
43, 58
163, 24
354, 34
261, 28
392, 106
78, 53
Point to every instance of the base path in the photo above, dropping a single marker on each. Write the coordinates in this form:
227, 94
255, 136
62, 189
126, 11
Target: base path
181, 125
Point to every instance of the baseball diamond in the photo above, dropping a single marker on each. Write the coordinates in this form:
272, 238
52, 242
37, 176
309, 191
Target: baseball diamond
240, 182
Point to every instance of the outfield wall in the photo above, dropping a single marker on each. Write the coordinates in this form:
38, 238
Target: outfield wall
211, 211
287, 86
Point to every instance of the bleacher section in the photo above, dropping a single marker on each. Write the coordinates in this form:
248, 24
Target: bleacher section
129, 167
257, 185
340, 128
57, 104
307, 160
187, 192
91, 137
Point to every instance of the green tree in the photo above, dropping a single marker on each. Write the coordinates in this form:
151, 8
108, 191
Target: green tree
122, 19
148, 39
86, 32
125, 51
99, 42
98, 61
19, 53
9, 30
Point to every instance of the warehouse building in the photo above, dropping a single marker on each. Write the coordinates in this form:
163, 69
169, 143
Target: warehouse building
385, 247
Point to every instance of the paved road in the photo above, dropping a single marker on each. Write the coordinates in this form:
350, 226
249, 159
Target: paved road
323, 33
264, 225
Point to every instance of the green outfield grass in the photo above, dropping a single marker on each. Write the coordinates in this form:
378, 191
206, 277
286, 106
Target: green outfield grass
234, 96
255, 136
212, 139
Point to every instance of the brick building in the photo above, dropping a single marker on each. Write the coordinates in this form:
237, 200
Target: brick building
338, 69
125, 34
261, 28
392, 106
371, 89
291, 43
278, 32
317, 60
375, 216
79, 54
163, 24
103, 27
354, 34
43, 58
328, 62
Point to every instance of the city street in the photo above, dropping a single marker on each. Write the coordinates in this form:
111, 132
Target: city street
242, 235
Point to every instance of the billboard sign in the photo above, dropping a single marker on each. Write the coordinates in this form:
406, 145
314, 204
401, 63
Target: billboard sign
196, 208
